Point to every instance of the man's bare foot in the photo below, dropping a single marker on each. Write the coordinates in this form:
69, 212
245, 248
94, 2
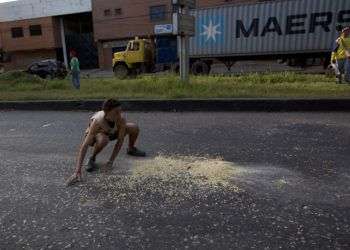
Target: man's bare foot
136, 152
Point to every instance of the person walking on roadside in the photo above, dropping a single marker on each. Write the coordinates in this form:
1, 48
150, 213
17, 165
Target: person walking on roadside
341, 56
75, 69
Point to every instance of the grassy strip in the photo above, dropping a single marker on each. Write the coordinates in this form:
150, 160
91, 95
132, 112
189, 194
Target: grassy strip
285, 85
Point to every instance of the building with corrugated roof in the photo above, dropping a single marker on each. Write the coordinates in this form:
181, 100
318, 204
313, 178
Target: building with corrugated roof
32, 30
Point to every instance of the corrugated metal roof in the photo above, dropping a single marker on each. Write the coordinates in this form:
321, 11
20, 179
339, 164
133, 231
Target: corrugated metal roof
28, 9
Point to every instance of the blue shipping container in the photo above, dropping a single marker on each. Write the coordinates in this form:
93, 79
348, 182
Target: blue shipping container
282, 27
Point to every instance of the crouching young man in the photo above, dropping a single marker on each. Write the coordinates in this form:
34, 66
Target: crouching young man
105, 126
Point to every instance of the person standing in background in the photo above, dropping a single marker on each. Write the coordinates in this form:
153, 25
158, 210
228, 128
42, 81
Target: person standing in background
345, 43
75, 69
338, 56
341, 56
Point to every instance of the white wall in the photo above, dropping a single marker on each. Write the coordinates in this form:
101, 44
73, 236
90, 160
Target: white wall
27, 9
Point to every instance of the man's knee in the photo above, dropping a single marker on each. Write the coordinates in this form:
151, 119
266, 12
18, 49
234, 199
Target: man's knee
132, 128
102, 140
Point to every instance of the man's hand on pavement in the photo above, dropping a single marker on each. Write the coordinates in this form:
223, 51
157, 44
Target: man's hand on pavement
75, 178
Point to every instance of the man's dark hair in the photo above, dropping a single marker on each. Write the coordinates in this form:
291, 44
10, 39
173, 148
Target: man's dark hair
339, 28
110, 104
73, 52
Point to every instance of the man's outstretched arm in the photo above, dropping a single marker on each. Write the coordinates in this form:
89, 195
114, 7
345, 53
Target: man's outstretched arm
84, 147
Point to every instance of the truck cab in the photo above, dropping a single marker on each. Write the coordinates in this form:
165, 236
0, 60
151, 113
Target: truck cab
147, 56
137, 58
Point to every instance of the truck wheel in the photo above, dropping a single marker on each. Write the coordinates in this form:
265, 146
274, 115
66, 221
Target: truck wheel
49, 77
62, 76
200, 68
175, 68
121, 71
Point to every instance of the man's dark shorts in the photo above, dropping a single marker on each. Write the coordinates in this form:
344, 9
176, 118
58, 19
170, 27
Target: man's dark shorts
111, 137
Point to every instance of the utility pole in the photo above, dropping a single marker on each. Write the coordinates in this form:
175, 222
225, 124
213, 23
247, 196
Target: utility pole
184, 58
63, 40
184, 27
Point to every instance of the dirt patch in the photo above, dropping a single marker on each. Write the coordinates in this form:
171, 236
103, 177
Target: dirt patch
170, 179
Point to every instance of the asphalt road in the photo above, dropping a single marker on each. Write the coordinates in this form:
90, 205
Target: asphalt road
210, 181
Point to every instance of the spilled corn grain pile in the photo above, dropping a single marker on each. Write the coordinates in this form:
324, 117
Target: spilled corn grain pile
165, 179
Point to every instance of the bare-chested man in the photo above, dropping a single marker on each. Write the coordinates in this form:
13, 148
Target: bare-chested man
105, 126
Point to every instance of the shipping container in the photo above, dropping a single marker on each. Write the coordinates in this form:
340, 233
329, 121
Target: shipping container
279, 29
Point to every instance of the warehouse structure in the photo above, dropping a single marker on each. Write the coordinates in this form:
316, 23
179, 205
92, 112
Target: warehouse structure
39, 29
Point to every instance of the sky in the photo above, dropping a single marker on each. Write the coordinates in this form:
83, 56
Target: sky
3, 1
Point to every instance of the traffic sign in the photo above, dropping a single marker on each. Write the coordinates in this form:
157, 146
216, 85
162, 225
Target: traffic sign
183, 24
162, 29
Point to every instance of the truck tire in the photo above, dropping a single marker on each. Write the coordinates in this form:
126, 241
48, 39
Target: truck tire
121, 71
49, 76
200, 68
175, 68
62, 75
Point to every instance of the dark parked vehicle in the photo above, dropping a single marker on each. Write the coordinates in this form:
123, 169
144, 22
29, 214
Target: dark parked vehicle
48, 69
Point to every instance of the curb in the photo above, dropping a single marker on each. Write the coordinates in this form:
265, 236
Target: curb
267, 105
